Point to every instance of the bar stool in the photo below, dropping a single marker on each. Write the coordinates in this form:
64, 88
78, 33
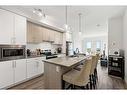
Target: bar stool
78, 78
92, 76
81, 65
95, 70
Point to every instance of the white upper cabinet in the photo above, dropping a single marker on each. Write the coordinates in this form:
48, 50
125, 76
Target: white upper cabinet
6, 27
12, 28
20, 30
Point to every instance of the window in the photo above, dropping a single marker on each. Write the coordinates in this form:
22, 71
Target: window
88, 47
98, 46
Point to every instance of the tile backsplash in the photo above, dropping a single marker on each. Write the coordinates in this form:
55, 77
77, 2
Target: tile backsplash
43, 46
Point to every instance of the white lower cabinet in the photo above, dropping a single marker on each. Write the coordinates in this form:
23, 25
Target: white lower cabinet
20, 70
12, 72
6, 74
31, 67
35, 66
16, 71
40, 65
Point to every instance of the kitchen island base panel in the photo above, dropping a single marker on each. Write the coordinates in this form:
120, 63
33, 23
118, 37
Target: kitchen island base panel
53, 75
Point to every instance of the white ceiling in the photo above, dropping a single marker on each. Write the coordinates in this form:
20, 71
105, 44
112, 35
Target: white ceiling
91, 16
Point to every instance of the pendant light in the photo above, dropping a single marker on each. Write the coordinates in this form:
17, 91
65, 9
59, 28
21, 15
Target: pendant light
80, 30
66, 19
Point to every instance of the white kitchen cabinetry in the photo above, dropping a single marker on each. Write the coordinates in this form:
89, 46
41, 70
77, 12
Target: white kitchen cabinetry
12, 28
31, 67
35, 66
20, 30
6, 27
40, 65
6, 74
16, 71
19, 70
11, 72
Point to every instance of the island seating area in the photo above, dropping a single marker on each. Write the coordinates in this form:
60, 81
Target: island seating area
71, 72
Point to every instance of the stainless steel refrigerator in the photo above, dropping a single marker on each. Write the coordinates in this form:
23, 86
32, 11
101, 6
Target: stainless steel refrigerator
69, 48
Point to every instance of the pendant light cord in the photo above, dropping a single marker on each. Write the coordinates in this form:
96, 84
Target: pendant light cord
80, 22
66, 14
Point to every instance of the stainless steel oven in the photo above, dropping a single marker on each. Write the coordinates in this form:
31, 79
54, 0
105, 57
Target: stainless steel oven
12, 52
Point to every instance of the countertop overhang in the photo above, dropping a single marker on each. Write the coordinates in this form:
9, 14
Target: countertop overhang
65, 61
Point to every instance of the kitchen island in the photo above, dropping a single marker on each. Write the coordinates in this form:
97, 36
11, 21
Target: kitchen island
56, 67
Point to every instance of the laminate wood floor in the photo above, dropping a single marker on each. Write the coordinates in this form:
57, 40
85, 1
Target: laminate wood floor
104, 82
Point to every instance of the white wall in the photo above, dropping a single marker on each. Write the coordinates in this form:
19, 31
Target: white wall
77, 41
115, 29
103, 39
125, 41
118, 35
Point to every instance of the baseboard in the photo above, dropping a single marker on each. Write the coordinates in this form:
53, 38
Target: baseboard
15, 84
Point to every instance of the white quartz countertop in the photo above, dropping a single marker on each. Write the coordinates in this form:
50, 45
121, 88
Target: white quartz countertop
66, 61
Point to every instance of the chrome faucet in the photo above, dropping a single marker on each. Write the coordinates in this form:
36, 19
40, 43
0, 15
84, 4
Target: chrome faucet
77, 52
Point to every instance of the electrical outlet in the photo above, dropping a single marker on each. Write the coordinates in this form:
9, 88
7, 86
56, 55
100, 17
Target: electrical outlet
57, 69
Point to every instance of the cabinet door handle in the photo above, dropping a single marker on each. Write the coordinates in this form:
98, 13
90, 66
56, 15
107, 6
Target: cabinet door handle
37, 64
15, 64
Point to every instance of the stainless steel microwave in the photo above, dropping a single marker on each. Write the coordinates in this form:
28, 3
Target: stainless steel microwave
12, 52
